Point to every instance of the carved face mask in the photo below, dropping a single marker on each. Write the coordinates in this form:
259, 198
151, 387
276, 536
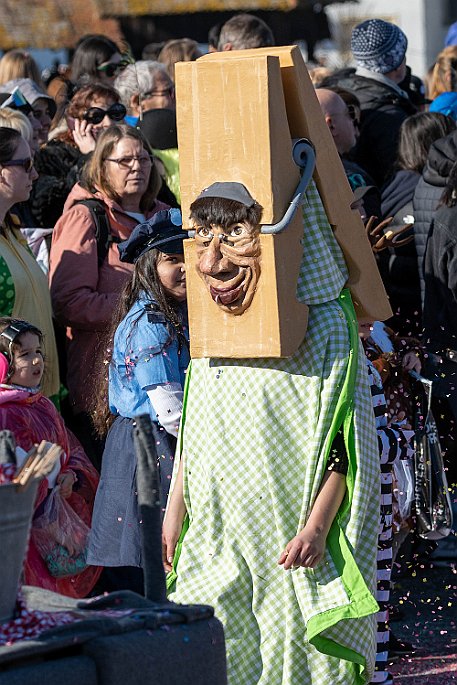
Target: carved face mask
228, 261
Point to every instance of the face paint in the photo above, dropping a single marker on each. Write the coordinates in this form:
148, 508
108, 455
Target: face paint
228, 261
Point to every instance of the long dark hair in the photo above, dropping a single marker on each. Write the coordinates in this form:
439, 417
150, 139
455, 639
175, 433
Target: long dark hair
91, 52
145, 279
417, 133
9, 141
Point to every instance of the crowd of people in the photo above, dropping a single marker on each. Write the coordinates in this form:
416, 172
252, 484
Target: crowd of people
93, 291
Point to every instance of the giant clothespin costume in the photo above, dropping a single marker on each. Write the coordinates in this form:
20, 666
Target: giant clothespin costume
277, 370
238, 115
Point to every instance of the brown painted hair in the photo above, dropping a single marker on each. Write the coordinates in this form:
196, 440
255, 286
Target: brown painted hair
223, 212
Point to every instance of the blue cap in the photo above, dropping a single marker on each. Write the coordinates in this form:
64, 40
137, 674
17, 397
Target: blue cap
161, 232
446, 103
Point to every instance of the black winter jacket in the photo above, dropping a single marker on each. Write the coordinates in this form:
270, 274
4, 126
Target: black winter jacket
440, 272
398, 266
441, 157
383, 111
59, 167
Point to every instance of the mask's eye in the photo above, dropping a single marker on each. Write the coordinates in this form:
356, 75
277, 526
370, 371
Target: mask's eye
237, 230
204, 232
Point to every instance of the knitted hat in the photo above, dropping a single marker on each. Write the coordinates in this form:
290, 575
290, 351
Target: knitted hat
378, 45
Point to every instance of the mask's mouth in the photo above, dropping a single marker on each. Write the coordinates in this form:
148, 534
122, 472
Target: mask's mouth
226, 296
228, 291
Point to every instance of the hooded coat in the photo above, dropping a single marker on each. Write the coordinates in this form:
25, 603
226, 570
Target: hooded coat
441, 158
398, 265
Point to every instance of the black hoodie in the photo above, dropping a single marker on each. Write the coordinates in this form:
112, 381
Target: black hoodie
441, 158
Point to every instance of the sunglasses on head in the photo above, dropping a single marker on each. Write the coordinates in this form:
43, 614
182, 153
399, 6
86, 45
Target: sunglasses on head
95, 115
26, 164
111, 68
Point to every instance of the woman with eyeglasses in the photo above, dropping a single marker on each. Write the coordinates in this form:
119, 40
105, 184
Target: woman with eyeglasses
92, 109
24, 292
87, 275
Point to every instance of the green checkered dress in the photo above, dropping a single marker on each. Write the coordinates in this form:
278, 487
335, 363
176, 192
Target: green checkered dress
256, 435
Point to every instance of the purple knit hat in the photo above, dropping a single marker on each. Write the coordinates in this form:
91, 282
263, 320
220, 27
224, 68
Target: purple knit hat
378, 45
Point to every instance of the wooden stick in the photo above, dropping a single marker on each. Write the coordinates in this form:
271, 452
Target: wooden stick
39, 463
47, 463
31, 470
26, 465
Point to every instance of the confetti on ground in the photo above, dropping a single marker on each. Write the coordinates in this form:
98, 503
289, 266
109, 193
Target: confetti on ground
429, 605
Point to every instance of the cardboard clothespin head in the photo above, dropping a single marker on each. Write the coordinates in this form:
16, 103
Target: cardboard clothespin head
237, 115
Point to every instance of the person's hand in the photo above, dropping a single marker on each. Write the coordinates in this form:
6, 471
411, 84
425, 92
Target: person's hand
379, 240
83, 136
305, 549
65, 481
171, 530
400, 420
411, 362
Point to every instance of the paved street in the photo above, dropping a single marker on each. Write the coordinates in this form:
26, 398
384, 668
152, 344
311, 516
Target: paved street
428, 600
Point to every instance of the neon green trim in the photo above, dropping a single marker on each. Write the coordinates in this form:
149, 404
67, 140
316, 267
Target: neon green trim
362, 602
343, 408
173, 574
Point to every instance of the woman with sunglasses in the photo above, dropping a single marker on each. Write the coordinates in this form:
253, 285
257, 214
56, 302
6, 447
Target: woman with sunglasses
86, 280
91, 110
96, 58
24, 291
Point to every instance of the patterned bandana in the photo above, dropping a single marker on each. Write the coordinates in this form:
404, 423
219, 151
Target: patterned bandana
378, 45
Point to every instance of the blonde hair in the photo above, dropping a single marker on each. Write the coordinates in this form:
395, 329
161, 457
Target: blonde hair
19, 64
12, 118
444, 74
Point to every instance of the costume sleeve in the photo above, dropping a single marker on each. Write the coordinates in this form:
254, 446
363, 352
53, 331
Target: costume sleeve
74, 274
166, 401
